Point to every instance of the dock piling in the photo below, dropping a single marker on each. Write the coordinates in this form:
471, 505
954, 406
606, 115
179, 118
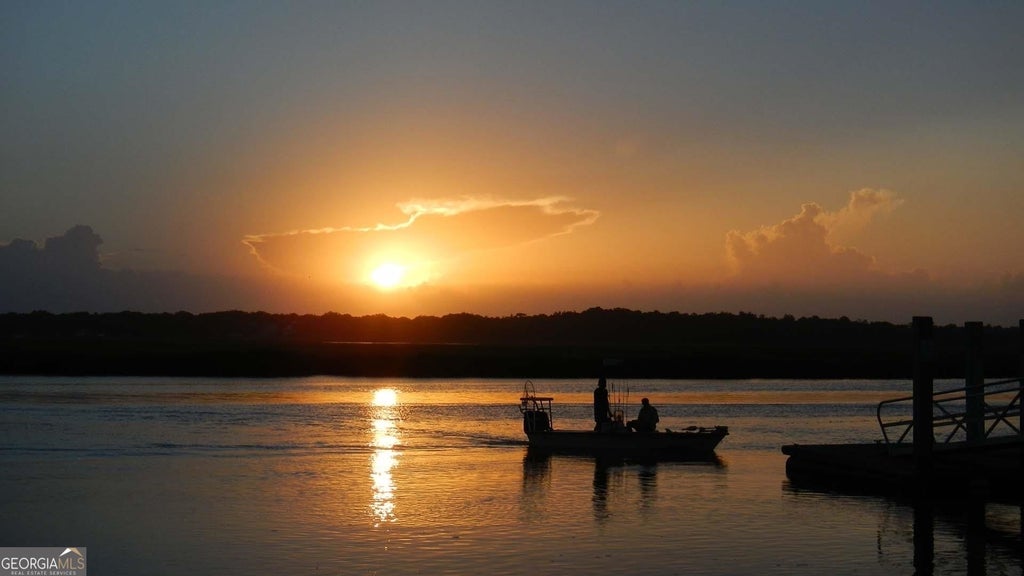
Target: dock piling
924, 359
975, 383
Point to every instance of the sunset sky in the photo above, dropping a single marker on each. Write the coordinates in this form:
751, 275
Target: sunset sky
809, 158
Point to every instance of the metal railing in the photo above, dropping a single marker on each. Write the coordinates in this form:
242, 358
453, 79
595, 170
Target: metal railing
1000, 415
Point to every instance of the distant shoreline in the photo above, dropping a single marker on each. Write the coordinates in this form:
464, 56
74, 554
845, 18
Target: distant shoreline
570, 345
388, 359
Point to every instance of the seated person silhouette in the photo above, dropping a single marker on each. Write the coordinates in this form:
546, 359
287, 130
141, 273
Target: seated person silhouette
646, 420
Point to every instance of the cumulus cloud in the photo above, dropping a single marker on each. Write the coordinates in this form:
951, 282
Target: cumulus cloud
863, 207
66, 274
75, 252
799, 267
435, 230
63, 273
800, 250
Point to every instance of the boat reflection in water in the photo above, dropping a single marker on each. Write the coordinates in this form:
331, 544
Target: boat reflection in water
616, 481
384, 418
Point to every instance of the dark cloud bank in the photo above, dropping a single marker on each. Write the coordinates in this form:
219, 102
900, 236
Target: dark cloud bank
65, 274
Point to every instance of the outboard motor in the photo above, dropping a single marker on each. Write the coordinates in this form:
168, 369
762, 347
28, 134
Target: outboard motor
535, 421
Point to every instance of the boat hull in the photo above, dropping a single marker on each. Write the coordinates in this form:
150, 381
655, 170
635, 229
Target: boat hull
696, 444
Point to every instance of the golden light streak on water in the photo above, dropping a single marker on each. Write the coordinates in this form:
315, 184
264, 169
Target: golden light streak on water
385, 416
383, 504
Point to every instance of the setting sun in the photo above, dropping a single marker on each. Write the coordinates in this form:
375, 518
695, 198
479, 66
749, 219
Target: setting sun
387, 275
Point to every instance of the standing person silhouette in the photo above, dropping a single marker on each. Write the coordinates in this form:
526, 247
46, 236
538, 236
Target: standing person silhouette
602, 410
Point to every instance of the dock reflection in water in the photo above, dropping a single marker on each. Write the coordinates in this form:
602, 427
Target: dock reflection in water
943, 533
980, 525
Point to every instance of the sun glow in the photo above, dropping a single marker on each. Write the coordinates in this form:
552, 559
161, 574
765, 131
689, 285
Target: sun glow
388, 275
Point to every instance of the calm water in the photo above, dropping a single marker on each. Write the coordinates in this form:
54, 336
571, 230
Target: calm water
384, 476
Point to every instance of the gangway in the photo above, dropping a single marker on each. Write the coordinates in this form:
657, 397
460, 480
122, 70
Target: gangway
997, 417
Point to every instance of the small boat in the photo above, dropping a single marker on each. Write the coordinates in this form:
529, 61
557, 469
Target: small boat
691, 443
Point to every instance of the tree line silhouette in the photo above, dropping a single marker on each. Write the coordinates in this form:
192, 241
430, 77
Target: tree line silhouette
563, 344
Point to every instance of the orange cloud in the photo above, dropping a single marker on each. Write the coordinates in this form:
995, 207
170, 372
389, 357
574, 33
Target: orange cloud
435, 231
863, 207
800, 250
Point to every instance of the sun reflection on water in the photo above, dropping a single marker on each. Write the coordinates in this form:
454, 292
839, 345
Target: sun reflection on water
384, 418
385, 397
383, 506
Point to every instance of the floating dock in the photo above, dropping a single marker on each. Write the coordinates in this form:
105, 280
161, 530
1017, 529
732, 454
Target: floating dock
962, 442
993, 472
